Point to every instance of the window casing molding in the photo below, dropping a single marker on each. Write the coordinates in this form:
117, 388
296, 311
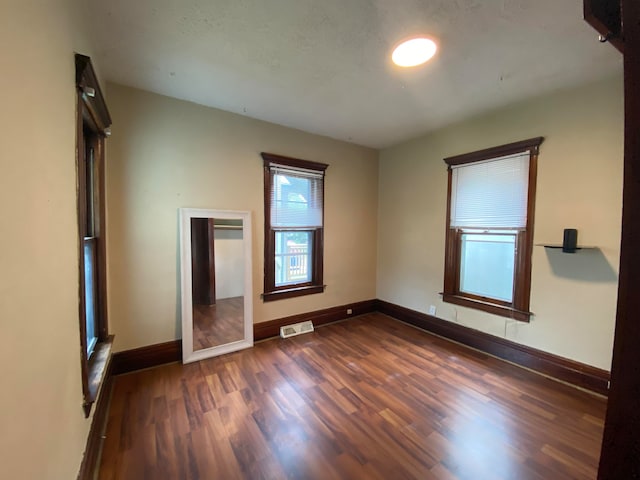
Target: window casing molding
518, 308
315, 284
92, 127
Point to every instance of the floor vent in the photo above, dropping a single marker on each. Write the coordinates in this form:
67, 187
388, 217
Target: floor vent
296, 329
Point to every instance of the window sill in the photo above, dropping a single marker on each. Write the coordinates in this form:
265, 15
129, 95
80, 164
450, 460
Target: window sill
97, 370
292, 292
488, 307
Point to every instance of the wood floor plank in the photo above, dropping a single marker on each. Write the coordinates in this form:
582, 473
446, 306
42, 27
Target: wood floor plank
218, 324
368, 398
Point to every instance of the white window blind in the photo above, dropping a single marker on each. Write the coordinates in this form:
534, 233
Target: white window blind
491, 194
296, 198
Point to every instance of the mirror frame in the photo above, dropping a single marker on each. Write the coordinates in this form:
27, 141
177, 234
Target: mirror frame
186, 214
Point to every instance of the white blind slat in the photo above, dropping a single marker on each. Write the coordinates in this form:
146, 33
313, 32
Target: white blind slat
491, 194
296, 198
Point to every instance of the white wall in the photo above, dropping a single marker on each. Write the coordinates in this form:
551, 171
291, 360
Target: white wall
165, 154
42, 426
579, 186
229, 262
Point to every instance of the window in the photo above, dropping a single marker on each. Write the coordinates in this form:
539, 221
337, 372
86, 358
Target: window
92, 123
90, 238
294, 231
489, 240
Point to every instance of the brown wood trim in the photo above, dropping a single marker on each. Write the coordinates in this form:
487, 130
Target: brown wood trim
96, 106
605, 17
489, 307
319, 317
530, 144
273, 159
146, 357
96, 372
576, 373
560, 368
522, 270
100, 159
269, 236
96, 432
317, 274
450, 257
522, 293
168, 352
82, 215
621, 441
481, 299
292, 292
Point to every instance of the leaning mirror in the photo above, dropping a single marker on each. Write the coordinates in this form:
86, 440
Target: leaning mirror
215, 269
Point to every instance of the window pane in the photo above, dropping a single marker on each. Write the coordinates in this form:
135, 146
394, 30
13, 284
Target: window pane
90, 295
293, 257
487, 265
296, 200
491, 194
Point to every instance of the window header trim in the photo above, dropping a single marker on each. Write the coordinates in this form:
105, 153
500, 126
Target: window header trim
91, 94
271, 160
530, 145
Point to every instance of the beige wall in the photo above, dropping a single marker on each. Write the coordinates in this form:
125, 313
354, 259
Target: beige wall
42, 426
165, 154
579, 186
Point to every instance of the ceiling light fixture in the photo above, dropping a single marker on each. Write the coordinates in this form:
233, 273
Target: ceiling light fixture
414, 52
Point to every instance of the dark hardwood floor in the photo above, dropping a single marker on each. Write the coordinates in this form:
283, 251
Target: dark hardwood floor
367, 398
218, 324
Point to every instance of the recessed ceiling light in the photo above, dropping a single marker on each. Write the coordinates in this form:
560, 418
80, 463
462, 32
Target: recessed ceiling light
414, 52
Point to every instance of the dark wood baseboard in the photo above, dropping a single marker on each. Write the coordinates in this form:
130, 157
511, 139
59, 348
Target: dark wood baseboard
94, 440
575, 373
271, 328
168, 352
146, 357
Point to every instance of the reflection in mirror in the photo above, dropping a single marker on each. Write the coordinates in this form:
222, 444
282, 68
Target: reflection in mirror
216, 272
217, 281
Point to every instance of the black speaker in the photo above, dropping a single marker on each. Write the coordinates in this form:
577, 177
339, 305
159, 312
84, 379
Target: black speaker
570, 241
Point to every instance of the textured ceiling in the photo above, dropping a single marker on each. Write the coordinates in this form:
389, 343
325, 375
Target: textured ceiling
323, 66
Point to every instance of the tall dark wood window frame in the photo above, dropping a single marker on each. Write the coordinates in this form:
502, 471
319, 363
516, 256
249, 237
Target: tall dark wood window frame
271, 291
518, 308
92, 124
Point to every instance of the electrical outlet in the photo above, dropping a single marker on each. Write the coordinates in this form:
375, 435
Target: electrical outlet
349, 311
432, 310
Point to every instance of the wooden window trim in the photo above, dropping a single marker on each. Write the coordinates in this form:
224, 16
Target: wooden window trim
519, 308
271, 292
606, 18
92, 115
